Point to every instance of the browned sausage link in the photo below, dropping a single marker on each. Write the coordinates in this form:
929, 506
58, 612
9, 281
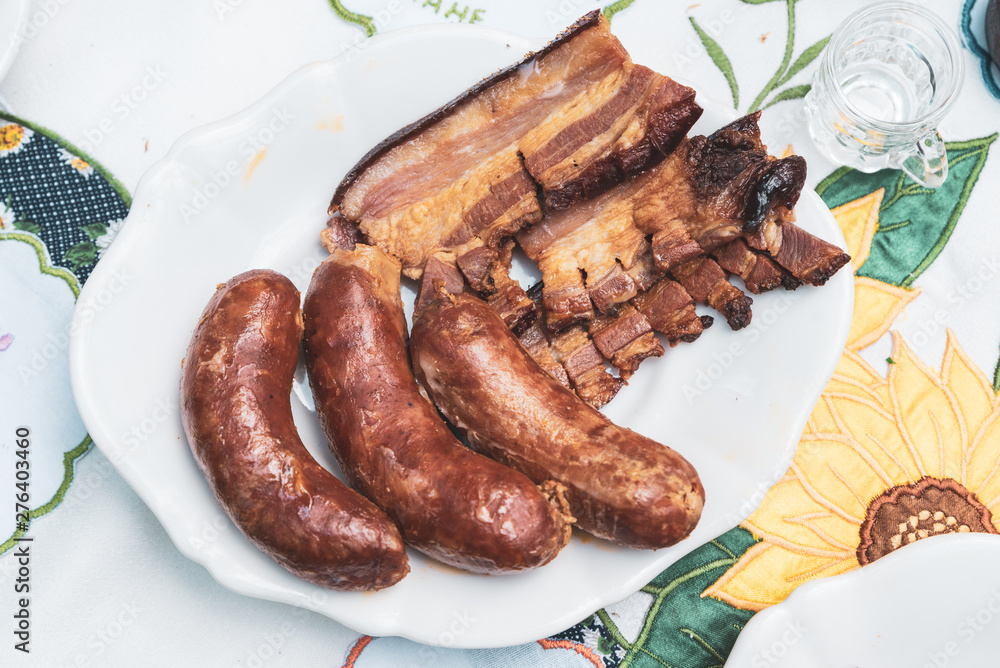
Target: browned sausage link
621, 486
450, 503
237, 415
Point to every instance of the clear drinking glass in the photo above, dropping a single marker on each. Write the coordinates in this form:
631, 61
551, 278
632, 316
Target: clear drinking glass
889, 74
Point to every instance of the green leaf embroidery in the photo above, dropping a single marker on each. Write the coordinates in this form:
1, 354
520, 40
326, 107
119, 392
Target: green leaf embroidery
996, 378
81, 254
95, 230
616, 7
720, 59
26, 225
357, 19
915, 222
789, 48
682, 628
804, 59
793, 93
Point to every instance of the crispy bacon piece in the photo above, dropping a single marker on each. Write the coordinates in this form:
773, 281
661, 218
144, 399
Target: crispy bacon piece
670, 310
626, 339
584, 365
488, 272
536, 342
595, 256
806, 257
704, 280
438, 275
759, 272
638, 117
590, 255
574, 119
340, 233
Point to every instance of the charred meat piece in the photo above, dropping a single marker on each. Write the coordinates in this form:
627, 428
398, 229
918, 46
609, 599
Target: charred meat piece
759, 272
626, 339
670, 310
704, 280
590, 255
438, 275
631, 121
488, 271
584, 365
574, 119
807, 257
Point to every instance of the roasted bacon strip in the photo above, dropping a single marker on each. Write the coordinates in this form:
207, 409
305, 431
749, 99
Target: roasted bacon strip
670, 310
488, 272
584, 365
638, 117
574, 351
596, 240
438, 275
759, 272
536, 342
807, 257
626, 339
705, 280
575, 119
701, 198
340, 233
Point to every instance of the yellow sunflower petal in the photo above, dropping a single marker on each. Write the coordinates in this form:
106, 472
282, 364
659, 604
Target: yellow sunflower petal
855, 375
800, 518
859, 221
983, 467
766, 574
927, 414
970, 386
876, 306
869, 428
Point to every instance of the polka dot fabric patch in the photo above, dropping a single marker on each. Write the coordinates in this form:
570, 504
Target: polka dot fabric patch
52, 191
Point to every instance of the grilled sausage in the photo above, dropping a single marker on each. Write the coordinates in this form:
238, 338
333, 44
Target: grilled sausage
449, 502
236, 410
620, 485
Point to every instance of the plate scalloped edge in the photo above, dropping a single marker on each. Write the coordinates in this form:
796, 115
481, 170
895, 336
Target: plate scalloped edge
863, 616
97, 417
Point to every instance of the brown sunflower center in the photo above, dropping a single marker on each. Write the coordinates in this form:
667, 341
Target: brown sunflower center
906, 513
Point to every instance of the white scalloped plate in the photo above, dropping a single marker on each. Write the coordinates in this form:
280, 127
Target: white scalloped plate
733, 403
932, 604
13, 18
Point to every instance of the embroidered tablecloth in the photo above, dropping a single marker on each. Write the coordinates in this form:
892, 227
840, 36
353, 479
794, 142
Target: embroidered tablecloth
903, 444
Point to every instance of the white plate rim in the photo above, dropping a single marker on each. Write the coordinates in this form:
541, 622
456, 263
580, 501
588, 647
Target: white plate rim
92, 415
861, 586
14, 45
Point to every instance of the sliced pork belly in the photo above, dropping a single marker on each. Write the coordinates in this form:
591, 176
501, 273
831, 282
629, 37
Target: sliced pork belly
630, 121
590, 255
806, 257
670, 311
759, 272
626, 339
705, 280
577, 117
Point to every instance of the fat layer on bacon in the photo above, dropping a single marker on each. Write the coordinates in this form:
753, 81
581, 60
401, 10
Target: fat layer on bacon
570, 122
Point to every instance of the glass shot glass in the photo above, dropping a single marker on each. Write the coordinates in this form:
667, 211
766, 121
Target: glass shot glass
889, 74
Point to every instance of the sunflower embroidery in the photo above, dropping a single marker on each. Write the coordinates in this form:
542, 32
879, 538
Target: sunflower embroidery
77, 163
13, 138
883, 462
